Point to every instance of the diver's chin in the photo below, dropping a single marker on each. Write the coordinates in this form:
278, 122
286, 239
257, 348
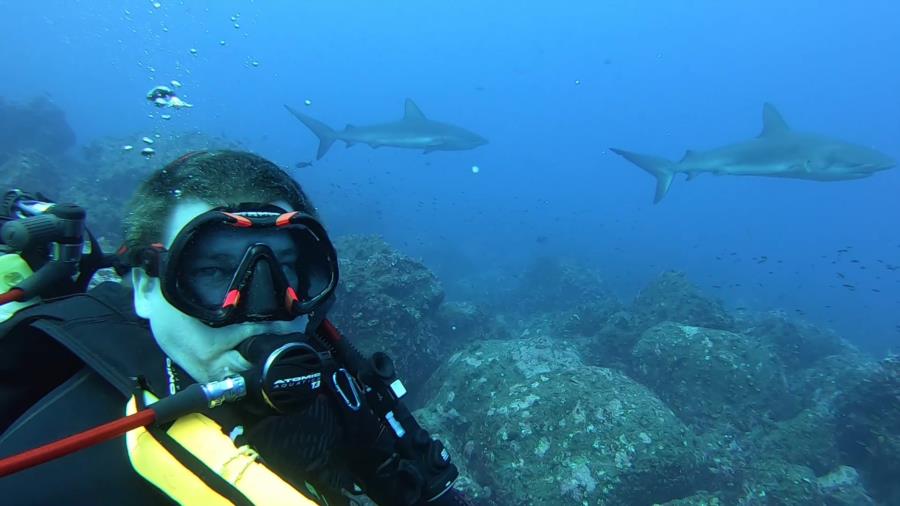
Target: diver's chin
229, 363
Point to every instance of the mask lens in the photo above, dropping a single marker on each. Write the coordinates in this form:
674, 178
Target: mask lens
207, 266
219, 259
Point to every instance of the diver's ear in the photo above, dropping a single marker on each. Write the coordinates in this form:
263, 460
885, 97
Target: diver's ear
144, 289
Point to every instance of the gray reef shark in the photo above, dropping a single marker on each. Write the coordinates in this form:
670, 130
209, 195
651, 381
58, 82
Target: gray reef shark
414, 131
777, 152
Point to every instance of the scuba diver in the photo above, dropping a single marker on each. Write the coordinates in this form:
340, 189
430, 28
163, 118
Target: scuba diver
214, 358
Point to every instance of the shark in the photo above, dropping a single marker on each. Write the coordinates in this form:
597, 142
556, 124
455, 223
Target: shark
778, 151
413, 131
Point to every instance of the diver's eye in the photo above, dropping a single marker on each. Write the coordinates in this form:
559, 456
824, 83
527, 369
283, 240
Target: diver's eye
209, 273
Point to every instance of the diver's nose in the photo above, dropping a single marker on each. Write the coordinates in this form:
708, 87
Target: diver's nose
261, 297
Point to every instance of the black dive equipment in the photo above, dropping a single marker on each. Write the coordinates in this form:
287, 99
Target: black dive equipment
395, 461
256, 262
53, 240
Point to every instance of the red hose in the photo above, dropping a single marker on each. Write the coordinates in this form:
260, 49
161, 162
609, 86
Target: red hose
13, 295
76, 442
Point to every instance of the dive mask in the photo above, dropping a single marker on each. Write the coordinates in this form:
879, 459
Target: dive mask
257, 262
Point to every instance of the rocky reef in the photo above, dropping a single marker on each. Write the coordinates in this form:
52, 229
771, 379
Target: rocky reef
668, 399
38, 126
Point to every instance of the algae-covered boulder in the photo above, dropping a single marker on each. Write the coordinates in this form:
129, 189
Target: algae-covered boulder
702, 498
806, 439
799, 344
39, 125
830, 377
843, 487
537, 426
868, 424
553, 284
33, 172
671, 297
772, 482
387, 301
710, 376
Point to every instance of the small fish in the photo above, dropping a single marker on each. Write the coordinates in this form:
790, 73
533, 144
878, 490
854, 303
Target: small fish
303, 165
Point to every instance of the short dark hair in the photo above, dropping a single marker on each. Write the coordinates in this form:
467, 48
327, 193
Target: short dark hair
219, 178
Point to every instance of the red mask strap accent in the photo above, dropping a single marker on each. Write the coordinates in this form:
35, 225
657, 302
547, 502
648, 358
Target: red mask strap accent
232, 299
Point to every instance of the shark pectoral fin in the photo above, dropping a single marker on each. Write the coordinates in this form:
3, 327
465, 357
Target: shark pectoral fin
773, 123
411, 111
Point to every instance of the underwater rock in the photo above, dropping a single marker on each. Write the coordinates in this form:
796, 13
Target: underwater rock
387, 302
868, 421
40, 125
806, 439
701, 498
772, 482
556, 284
603, 332
799, 344
671, 297
818, 386
459, 322
537, 426
843, 487
710, 376
33, 172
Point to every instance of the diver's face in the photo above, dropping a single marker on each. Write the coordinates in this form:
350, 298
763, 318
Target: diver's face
206, 353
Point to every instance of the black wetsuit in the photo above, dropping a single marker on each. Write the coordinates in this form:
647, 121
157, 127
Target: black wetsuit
47, 393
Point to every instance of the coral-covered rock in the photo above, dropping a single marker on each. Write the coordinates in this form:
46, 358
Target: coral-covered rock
39, 125
869, 430
671, 297
533, 425
842, 487
819, 385
806, 439
710, 376
33, 172
772, 482
555, 284
798, 343
387, 302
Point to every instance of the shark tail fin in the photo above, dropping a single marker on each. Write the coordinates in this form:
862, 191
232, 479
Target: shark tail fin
663, 170
325, 133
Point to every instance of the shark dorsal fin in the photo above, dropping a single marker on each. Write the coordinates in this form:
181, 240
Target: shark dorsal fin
773, 123
411, 111
688, 155
349, 127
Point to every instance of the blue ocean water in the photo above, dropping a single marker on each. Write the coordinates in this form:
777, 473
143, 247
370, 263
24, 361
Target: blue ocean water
552, 86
